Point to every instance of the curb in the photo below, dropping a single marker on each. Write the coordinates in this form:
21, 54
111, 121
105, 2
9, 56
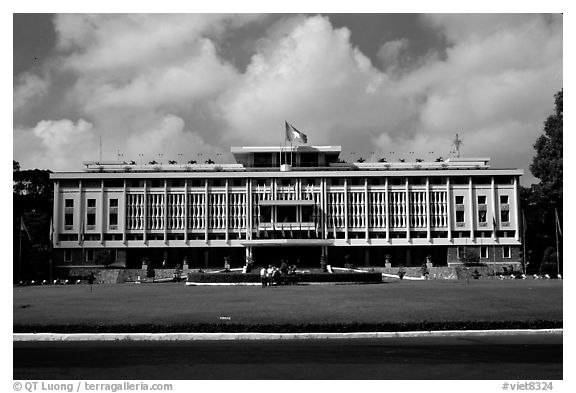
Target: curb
58, 337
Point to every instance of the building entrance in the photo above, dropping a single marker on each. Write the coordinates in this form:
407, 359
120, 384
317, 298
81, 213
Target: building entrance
299, 256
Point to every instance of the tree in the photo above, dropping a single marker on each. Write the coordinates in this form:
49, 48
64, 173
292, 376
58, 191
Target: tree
32, 199
547, 164
541, 200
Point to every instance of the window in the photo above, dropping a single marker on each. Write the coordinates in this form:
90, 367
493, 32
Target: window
460, 252
286, 182
89, 255
459, 199
483, 252
460, 216
504, 199
116, 183
504, 216
113, 255
69, 203
265, 213
307, 214
263, 160
482, 216
113, 220
286, 214
506, 252
197, 183
90, 219
67, 255
91, 203
113, 202
261, 182
481, 199
310, 182
68, 220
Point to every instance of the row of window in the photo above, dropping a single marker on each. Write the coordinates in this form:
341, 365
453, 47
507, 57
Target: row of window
336, 181
90, 213
459, 199
463, 252
89, 255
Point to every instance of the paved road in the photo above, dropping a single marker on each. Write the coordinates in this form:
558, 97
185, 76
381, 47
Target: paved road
525, 357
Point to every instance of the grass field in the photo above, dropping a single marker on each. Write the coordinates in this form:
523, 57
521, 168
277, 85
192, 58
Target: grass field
175, 307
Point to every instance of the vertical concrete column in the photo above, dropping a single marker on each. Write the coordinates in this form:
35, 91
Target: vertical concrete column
226, 212
249, 209
449, 208
206, 214
428, 223
103, 210
407, 210
387, 209
122, 218
346, 208
56, 213
145, 218
166, 206
471, 207
81, 219
186, 212
494, 219
366, 211
324, 216
516, 209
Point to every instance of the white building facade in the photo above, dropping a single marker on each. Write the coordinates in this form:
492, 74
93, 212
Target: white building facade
451, 212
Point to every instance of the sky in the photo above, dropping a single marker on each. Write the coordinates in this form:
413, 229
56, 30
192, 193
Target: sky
188, 86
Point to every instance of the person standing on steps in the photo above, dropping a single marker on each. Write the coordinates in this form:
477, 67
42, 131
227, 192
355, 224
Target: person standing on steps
263, 277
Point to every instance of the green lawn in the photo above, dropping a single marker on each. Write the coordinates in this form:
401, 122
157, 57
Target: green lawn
148, 306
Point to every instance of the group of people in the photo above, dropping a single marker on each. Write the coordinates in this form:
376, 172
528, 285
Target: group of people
272, 275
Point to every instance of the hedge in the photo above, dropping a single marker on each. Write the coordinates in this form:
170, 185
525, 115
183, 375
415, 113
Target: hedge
288, 328
299, 278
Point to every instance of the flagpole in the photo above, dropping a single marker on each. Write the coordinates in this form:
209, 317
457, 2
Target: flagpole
557, 248
524, 242
20, 253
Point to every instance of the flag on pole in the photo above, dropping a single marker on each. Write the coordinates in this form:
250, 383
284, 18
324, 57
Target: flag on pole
24, 228
51, 236
558, 222
524, 226
293, 135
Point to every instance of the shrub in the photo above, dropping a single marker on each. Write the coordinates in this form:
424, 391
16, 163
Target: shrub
302, 278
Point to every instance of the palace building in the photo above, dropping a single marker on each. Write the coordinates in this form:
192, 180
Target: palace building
369, 214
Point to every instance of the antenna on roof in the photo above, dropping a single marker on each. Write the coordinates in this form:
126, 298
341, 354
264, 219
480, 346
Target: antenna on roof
457, 142
100, 136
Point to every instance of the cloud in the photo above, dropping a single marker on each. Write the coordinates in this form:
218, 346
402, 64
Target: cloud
390, 53
55, 144
56, 134
167, 138
314, 77
28, 88
160, 84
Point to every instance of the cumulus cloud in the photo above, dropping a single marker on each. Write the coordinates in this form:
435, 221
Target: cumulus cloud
56, 144
154, 84
390, 53
28, 87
